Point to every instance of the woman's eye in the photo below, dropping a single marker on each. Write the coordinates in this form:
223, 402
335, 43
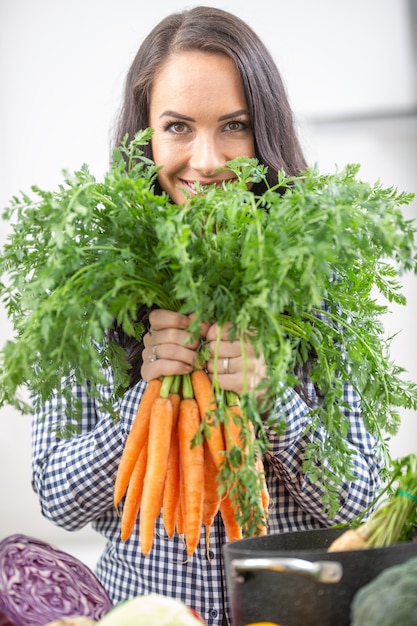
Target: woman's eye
236, 126
177, 127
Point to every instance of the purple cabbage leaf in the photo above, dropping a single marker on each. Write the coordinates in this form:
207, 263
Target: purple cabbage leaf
40, 583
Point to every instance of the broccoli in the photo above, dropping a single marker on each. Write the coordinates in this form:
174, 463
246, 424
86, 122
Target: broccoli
389, 599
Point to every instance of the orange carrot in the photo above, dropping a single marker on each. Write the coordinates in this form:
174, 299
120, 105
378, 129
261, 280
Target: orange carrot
233, 438
156, 469
264, 489
211, 503
172, 480
233, 428
175, 401
192, 466
234, 435
204, 395
135, 440
228, 513
133, 495
264, 495
179, 513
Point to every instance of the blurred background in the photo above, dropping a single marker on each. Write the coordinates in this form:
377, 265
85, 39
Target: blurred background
350, 68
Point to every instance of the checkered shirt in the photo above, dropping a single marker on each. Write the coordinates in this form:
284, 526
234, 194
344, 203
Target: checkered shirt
74, 480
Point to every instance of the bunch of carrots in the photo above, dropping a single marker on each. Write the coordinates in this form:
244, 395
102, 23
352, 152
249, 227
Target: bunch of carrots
165, 465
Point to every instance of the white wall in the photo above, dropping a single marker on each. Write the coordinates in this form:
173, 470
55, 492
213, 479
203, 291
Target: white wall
62, 65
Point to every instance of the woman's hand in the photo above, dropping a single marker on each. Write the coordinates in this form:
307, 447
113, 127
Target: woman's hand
232, 365
169, 350
168, 346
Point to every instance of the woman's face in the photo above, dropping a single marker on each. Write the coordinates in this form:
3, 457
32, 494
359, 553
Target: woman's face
200, 119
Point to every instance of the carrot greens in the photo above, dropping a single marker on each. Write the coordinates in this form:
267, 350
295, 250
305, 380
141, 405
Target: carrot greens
308, 267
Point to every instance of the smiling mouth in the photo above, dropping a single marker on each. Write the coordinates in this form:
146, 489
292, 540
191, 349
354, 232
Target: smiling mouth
193, 185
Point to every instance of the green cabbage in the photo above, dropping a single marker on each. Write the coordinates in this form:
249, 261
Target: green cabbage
150, 609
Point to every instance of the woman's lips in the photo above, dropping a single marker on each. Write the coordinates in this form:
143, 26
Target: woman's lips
192, 184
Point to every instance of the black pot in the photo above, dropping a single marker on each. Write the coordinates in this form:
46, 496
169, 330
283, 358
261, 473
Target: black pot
291, 579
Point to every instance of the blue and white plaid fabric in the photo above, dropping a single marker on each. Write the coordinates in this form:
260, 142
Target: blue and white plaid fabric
74, 480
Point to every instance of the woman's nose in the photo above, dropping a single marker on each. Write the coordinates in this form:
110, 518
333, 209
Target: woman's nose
206, 155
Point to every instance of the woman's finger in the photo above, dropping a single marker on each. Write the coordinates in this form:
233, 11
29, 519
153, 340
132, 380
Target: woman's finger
162, 318
164, 367
166, 360
235, 371
174, 336
214, 330
168, 352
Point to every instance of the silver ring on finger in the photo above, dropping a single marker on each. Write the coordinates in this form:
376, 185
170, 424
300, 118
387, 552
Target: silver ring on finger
226, 363
153, 356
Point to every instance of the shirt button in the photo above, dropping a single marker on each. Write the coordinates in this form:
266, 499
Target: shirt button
211, 554
213, 613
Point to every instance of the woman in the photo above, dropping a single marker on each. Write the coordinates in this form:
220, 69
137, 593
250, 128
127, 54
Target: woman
210, 90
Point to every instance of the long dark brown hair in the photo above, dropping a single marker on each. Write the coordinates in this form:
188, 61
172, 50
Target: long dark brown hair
210, 29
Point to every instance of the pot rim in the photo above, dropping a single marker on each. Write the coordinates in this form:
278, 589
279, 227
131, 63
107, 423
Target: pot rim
249, 546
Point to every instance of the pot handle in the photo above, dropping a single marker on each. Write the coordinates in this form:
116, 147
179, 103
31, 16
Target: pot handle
322, 571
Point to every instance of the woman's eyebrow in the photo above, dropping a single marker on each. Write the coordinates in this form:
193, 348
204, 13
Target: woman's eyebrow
187, 118
178, 115
228, 116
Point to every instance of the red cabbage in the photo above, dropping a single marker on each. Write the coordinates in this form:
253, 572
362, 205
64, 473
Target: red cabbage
40, 583
4, 621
